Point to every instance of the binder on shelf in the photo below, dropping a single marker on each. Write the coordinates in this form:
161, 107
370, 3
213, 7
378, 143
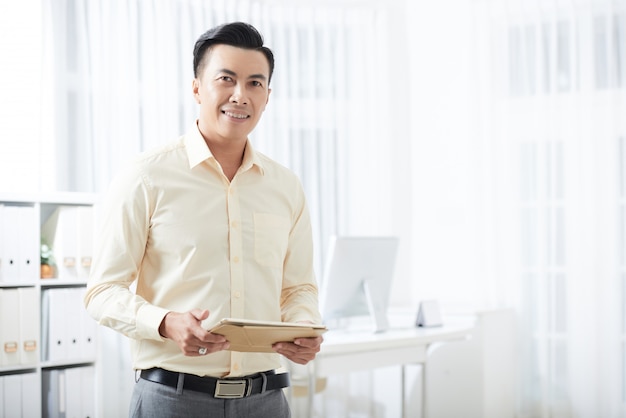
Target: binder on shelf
53, 385
9, 327
28, 244
10, 232
31, 398
69, 392
68, 332
88, 391
72, 315
19, 395
28, 324
55, 326
73, 377
88, 330
85, 236
12, 395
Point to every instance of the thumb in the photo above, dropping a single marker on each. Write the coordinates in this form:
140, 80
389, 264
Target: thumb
200, 314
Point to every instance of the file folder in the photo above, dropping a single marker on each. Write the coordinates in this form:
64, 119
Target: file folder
28, 245
12, 396
85, 236
69, 392
73, 311
72, 391
29, 325
9, 327
88, 331
31, 395
53, 392
88, 391
10, 232
55, 324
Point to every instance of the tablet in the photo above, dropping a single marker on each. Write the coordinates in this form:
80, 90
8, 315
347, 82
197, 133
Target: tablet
258, 336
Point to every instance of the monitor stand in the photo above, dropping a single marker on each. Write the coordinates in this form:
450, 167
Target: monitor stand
378, 312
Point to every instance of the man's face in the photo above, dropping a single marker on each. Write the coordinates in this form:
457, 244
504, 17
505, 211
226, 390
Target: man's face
232, 90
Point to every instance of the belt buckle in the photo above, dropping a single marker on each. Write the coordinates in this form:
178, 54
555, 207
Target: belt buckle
232, 389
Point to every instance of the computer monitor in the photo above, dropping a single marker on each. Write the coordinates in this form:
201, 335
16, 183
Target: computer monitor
357, 278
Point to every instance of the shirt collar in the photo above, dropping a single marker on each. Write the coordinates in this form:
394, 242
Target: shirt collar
198, 151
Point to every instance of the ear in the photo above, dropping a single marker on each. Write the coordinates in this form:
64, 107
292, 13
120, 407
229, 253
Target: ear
195, 85
268, 96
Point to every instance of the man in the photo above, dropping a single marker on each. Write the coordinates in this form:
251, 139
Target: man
208, 228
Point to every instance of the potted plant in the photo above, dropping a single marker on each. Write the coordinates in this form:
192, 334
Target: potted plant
48, 264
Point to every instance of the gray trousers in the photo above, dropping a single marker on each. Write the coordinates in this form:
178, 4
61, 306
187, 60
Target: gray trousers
154, 400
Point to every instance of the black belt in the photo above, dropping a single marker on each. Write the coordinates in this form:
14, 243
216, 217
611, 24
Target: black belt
220, 388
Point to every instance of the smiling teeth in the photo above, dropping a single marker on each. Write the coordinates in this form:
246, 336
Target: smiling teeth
236, 115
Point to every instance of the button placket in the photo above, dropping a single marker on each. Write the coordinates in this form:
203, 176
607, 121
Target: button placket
236, 251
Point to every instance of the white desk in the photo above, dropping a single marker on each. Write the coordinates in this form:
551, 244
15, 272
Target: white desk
345, 351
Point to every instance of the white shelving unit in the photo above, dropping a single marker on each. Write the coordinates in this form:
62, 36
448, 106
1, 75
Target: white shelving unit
30, 376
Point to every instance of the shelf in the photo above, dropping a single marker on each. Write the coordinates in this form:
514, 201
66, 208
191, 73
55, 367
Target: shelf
48, 283
27, 310
67, 363
9, 285
18, 368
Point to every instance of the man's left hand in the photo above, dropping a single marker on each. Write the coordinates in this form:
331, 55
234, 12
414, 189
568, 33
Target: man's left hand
301, 351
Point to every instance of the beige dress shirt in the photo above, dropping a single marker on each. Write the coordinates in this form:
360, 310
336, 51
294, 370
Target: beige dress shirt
188, 238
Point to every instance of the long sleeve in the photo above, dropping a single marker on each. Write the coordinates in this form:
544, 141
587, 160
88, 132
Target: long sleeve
119, 249
299, 296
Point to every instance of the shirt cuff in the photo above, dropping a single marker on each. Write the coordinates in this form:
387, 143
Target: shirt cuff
149, 318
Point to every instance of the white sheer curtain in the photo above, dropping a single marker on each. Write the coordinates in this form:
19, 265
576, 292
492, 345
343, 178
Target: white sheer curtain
23, 110
551, 105
518, 181
123, 84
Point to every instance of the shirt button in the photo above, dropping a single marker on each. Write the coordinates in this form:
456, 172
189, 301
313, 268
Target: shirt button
233, 224
237, 294
236, 367
235, 259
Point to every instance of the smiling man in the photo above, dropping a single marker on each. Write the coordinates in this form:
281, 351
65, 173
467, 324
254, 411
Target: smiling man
208, 228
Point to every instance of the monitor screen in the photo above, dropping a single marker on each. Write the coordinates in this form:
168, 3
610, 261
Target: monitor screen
357, 278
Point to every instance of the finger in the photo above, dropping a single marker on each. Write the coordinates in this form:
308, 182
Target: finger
210, 338
314, 342
290, 350
200, 314
298, 357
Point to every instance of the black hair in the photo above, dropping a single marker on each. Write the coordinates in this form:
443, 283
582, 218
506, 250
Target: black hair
238, 34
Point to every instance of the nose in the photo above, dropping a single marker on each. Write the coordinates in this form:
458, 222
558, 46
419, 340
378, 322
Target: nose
238, 96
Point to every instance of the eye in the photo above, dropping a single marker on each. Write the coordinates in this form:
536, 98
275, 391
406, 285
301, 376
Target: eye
257, 83
226, 78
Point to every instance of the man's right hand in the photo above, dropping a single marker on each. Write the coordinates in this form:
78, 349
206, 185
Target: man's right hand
186, 330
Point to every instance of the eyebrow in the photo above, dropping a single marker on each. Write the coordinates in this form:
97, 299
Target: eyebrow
230, 72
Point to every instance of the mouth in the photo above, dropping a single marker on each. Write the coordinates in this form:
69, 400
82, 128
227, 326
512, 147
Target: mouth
236, 115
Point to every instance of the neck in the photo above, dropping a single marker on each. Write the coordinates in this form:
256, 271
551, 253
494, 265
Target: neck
229, 157
227, 151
